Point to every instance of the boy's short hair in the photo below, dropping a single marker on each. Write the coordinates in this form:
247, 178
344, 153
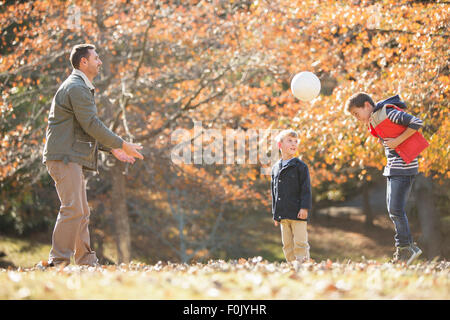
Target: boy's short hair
285, 133
80, 51
357, 101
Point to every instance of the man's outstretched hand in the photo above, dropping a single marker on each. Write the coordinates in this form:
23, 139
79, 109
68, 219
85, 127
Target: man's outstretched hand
131, 149
122, 156
128, 152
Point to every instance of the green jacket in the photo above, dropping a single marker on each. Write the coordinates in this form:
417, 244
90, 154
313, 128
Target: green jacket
74, 132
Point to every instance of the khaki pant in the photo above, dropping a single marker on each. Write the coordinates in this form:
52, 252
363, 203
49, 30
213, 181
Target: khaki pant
295, 240
71, 234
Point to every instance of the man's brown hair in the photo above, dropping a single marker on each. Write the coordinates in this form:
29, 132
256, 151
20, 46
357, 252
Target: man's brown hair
357, 100
80, 51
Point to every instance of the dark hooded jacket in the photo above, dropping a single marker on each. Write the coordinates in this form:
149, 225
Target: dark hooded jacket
395, 100
291, 189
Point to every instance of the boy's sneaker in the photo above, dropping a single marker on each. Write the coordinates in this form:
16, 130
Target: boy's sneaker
407, 254
417, 252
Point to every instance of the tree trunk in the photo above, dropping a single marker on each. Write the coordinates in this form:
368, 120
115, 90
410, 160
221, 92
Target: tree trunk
366, 206
120, 213
428, 216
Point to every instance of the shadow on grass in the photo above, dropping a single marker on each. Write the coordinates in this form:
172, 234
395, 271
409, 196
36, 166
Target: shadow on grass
330, 237
5, 263
24, 251
381, 234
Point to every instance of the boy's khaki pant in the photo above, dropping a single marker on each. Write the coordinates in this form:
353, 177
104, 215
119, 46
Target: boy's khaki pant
295, 240
71, 232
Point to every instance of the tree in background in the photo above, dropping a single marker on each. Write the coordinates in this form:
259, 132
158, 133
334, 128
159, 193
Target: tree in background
167, 64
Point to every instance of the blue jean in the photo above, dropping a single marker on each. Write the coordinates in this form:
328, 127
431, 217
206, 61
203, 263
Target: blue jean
397, 193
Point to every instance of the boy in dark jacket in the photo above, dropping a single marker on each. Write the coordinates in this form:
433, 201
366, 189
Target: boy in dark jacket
291, 198
385, 117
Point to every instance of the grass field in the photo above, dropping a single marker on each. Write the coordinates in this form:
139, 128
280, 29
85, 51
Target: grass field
329, 238
253, 278
347, 264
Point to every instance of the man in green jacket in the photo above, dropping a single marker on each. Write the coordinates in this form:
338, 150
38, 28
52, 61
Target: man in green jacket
74, 136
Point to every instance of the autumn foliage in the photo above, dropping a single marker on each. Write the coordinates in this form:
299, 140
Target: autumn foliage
167, 64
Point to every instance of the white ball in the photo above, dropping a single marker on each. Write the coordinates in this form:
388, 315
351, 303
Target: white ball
305, 86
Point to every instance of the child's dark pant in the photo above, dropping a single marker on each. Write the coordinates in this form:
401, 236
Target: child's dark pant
397, 193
